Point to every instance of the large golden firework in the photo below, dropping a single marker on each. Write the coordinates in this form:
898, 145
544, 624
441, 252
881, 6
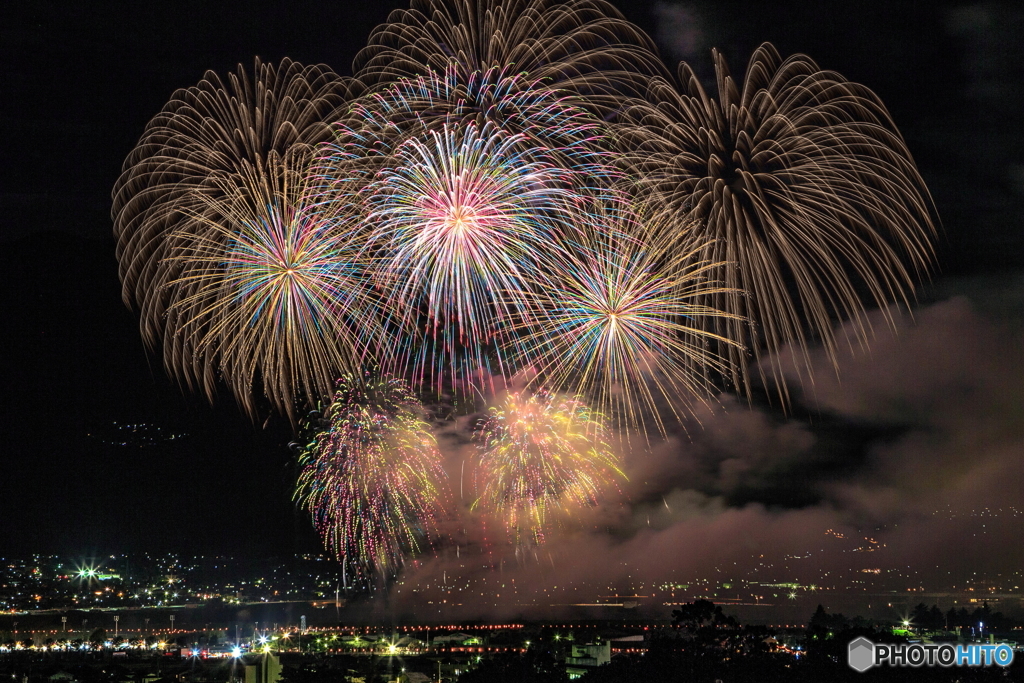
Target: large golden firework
806, 191
222, 159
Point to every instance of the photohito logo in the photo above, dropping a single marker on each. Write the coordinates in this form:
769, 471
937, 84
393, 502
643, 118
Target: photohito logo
864, 654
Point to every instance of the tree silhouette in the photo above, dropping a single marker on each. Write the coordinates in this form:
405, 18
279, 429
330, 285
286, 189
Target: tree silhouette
693, 615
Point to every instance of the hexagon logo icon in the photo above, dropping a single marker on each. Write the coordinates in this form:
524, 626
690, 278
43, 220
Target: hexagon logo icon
861, 655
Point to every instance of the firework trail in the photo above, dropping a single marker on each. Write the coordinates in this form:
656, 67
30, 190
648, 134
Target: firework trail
584, 48
371, 476
214, 147
540, 458
806, 192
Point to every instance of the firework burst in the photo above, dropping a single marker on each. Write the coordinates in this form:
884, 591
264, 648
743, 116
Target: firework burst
371, 475
461, 220
216, 147
540, 458
454, 213
806, 192
621, 322
267, 293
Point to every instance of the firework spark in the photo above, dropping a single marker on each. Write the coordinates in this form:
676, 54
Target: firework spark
540, 458
213, 146
807, 194
371, 476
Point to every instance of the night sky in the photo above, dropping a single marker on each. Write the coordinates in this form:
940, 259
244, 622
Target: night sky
78, 84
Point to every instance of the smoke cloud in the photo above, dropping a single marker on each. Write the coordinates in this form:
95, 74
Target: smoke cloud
907, 460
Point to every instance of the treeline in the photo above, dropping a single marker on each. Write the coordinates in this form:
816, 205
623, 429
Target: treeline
924, 618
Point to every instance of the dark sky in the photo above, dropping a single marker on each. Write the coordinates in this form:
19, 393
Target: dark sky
79, 81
